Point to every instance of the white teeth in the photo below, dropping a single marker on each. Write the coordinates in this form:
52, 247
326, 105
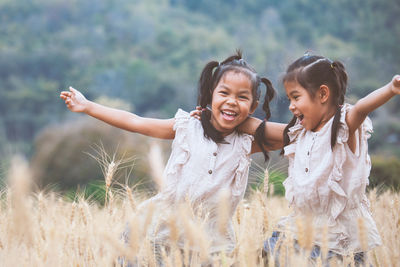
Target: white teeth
229, 113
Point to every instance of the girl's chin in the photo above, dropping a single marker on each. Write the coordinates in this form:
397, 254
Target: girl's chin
224, 126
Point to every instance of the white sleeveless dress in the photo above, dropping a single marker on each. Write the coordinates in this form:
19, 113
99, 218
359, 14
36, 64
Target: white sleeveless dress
197, 171
330, 185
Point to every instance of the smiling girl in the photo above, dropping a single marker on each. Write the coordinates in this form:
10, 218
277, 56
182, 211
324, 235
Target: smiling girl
208, 157
326, 144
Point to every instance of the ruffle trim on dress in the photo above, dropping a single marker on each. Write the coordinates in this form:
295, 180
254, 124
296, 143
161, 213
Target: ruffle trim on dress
289, 152
244, 162
338, 202
293, 133
306, 196
180, 143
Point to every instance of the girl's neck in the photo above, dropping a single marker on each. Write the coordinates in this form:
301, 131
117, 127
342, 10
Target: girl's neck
327, 115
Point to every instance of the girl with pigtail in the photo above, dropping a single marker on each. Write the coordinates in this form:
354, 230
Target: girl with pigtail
326, 145
208, 157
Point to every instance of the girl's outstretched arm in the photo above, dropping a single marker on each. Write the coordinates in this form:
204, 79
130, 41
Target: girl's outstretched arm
365, 105
158, 128
273, 133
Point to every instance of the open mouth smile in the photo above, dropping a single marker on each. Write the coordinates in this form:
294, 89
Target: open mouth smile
228, 115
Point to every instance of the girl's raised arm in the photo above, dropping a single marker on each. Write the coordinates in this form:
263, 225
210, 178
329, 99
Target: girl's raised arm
364, 106
158, 128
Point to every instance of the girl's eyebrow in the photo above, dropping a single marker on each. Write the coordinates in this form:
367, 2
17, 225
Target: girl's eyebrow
244, 91
293, 92
241, 91
224, 86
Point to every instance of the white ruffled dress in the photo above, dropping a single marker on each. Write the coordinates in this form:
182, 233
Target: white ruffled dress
197, 171
330, 185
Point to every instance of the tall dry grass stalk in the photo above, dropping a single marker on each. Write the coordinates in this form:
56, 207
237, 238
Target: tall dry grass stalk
266, 181
19, 179
362, 234
324, 242
110, 166
223, 211
156, 164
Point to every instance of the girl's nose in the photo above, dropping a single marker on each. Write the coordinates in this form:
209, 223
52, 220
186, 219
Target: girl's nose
231, 101
291, 107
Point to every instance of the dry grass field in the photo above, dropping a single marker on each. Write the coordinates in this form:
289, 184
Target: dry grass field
44, 229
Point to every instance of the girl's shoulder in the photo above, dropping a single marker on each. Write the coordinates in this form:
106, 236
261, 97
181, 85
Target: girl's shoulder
183, 120
181, 116
295, 130
364, 131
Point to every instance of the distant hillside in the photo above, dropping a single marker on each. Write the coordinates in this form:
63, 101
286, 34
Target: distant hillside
150, 53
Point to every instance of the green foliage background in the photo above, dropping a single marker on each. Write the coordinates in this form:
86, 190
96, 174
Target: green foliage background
150, 53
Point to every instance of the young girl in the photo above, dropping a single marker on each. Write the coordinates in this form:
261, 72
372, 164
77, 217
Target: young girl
208, 157
329, 165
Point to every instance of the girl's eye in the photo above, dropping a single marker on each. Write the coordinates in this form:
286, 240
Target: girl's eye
223, 93
244, 97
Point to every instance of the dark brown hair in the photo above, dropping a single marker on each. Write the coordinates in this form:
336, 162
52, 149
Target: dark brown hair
209, 79
311, 72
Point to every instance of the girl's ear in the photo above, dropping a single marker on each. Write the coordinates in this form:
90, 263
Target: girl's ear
323, 93
253, 107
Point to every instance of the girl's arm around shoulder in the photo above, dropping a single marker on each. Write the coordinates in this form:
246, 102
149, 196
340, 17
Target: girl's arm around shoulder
367, 104
273, 133
158, 128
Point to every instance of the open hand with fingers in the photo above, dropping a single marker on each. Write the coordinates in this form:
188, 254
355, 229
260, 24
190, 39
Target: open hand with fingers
74, 100
196, 113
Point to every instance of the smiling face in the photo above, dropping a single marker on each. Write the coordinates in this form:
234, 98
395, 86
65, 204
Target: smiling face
232, 101
310, 110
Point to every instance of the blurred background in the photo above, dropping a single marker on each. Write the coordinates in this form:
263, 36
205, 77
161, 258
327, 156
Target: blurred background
146, 57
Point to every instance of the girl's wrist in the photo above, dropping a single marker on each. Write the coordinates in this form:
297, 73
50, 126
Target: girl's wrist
394, 90
87, 106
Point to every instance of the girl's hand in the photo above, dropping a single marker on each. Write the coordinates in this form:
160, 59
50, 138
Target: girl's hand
396, 84
74, 100
196, 113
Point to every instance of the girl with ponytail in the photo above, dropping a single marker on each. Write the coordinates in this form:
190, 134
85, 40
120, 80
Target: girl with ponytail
209, 159
215, 73
329, 165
